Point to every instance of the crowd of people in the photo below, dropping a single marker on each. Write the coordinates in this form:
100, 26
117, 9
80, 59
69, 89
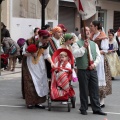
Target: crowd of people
96, 57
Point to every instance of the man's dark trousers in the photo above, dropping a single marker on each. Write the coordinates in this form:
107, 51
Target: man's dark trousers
88, 83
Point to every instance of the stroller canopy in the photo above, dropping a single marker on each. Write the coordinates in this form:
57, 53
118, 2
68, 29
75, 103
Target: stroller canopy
57, 52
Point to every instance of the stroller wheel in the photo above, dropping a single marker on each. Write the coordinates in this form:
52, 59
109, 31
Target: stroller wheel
49, 104
69, 105
73, 99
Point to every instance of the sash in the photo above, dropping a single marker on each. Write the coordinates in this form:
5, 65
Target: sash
53, 46
36, 59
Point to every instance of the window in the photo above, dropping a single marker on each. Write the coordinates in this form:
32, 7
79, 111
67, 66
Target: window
116, 20
102, 17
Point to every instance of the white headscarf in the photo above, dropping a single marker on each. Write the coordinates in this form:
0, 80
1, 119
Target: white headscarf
76, 38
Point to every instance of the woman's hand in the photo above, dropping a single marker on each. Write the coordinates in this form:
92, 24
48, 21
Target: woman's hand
102, 52
110, 51
53, 65
34, 54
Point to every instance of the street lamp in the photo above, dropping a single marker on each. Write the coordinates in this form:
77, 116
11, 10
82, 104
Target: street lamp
44, 4
0, 35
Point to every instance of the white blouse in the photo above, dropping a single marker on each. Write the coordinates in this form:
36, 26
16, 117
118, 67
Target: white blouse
57, 41
79, 52
45, 54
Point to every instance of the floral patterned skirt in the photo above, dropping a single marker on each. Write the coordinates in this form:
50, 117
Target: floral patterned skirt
106, 90
28, 89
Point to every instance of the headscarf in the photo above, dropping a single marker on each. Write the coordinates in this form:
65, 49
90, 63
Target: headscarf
75, 37
56, 29
67, 36
44, 33
62, 27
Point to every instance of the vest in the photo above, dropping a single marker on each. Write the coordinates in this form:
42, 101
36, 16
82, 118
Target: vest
82, 62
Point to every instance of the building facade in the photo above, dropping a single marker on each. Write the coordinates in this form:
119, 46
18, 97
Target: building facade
22, 16
108, 13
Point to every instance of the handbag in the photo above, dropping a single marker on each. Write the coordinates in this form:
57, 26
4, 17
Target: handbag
12, 50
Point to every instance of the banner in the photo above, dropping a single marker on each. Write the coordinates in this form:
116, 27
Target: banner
86, 8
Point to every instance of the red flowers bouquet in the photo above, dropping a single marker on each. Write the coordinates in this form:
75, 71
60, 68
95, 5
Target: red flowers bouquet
32, 48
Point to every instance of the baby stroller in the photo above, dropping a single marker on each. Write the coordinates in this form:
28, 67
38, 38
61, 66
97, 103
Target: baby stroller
58, 92
4, 60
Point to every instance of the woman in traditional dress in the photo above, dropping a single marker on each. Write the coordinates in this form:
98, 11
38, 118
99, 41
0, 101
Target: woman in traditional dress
117, 36
112, 56
68, 40
103, 69
34, 74
113, 45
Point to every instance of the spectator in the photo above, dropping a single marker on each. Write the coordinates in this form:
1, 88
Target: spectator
4, 31
10, 47
20, 42
47, 27
76, 31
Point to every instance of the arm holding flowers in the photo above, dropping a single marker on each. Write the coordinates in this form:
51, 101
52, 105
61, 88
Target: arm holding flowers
25, 53
30, 50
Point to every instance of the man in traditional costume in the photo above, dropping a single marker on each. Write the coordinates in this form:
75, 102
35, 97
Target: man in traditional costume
54, 44
87, 57
34, 74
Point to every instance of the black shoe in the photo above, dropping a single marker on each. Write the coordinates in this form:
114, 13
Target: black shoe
102, 106
99, 113
40, 106
84, 112
30, 106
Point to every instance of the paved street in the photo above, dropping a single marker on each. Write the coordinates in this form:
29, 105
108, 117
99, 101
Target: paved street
12, 106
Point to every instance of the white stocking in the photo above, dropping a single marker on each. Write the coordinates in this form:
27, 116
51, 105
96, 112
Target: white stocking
102, 101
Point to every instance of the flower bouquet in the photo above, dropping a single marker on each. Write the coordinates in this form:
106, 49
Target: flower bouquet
36, 53
32, 48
